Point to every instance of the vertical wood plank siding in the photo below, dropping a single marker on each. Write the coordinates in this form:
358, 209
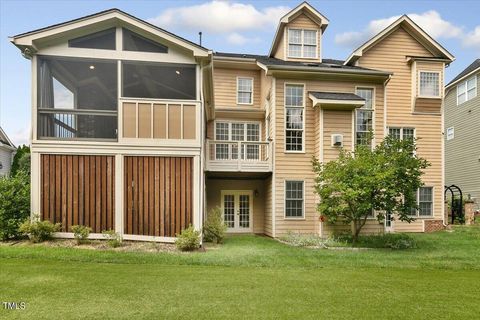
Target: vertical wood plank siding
158, 195
78, 190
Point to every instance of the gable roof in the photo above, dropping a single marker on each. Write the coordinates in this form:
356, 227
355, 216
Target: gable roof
4, 139
471, 69
25, 40
303, 7
411, 27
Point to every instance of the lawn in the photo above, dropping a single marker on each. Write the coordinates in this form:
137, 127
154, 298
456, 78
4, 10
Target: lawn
248, 277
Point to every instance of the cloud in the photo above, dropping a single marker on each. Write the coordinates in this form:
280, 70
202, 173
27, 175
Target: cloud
430, 21
472, 39
219, 17
21, 136
239, 40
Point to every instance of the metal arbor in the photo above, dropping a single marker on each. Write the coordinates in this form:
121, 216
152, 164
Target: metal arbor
457, 202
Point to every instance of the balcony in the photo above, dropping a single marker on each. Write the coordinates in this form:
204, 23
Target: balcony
238, 156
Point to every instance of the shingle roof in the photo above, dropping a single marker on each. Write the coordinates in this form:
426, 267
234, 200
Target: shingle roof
273, 62
335, 96
474, 65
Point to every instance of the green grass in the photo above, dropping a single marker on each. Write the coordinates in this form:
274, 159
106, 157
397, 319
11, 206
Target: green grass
248, 277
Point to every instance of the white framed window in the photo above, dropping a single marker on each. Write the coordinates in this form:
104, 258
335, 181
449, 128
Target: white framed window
401, 133
450, 133
424, 200
429, 84
302, 43
467, 90
294, 199
237, 131
294, 117
244, 90
364, 117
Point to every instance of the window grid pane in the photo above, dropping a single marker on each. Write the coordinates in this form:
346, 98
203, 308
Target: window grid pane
425, 201
366, 94
295, 36
429, 84
364, 124
309, 51
294, 199
310, 37
394, 132
245, 88
408, 133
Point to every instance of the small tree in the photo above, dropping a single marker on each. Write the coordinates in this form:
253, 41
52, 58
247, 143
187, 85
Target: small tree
21, 160
383, 180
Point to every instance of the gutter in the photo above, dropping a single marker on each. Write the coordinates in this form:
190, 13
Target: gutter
329, 70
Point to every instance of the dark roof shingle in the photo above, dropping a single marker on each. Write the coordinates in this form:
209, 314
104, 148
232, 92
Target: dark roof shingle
474, 65
335, 95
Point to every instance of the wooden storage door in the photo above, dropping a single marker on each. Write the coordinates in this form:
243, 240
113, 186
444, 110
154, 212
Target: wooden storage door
158, 195
78, 190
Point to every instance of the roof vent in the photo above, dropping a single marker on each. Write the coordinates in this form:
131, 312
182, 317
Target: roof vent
335, 66
311, 64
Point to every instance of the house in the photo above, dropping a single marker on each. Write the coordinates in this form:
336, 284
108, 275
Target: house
462, 135
138, 130
7, 151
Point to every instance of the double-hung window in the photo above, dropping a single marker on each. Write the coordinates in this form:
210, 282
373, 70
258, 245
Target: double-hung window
364, 117
302, 43
467, 90
230, 133
402, 133
244, 90
294, 116
424, 198
294, 199
429, 85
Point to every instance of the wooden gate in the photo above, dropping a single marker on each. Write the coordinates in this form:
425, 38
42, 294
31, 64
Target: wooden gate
158, 195
78, 190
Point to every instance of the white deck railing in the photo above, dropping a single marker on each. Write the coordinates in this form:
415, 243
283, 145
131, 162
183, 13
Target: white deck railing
240, 156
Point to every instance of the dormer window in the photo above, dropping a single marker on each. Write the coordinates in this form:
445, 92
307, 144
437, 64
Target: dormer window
302, 43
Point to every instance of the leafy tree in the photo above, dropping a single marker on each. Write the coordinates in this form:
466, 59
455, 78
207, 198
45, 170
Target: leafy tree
21, 160
383, 180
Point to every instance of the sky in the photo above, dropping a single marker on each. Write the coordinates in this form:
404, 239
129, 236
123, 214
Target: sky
230, 26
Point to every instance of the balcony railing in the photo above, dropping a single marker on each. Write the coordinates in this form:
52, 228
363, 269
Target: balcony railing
239, 156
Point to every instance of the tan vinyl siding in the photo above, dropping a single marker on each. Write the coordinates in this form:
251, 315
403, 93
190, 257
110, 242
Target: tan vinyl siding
390, 55
297, 166
336, 122
268, 206
462, 153
225, 87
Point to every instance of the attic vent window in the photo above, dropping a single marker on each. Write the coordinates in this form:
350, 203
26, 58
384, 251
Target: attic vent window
135, 42
99, 40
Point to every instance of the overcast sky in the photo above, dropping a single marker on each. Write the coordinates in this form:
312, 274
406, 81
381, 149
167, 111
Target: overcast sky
230, 26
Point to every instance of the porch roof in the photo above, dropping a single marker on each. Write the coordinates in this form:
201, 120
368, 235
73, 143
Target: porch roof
344, 100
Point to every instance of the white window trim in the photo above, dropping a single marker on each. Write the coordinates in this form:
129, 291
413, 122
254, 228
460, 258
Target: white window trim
417, 215
230, 129
466, 89
302, 44
243, 103
285, 117
420, 71
285, 199
373, 109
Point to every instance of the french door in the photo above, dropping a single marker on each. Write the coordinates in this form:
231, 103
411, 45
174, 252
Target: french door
237, 208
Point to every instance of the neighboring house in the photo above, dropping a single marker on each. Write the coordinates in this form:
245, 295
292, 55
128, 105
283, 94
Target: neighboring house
462, 132
7, 151
138, 130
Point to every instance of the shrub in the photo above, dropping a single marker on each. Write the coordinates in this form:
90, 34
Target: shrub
21, 161
39, 231
387, 240
188, 240
81, 233
114, 239
214, 228
14, 204
302, 240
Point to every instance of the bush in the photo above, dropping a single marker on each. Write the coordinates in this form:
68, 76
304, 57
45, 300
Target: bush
114, 239
81, 233
14, 204
188, 240
39, 231
214, 228
21, 161
387, 240
302, 240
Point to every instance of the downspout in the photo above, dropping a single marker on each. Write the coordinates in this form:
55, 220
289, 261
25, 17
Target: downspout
385, 134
